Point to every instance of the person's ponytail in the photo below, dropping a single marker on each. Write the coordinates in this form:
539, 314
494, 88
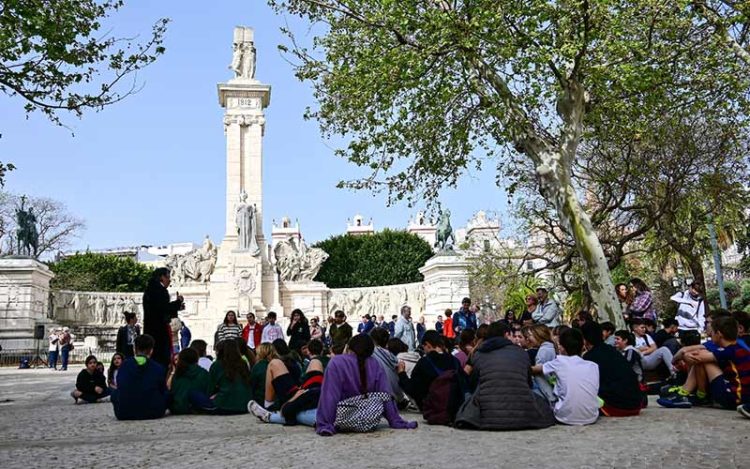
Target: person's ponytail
362, 346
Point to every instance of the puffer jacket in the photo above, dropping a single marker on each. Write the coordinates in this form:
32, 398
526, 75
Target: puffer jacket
503, 399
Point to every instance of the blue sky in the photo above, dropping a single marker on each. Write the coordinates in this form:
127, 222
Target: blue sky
150, 170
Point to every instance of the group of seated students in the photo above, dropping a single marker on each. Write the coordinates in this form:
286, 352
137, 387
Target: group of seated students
499, 377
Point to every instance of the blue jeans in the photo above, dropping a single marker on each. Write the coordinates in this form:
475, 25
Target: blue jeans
306, 417
65, 353
53, 358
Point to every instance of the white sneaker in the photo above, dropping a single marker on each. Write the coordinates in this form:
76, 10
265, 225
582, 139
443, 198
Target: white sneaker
104, 399
258, 411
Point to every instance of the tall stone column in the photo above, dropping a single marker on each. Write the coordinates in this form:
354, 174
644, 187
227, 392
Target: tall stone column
24, 302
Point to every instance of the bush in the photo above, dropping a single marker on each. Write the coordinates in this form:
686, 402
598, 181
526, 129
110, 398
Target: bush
99, 272
384, 258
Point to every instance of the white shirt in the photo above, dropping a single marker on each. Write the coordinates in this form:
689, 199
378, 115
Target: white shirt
271, 332
54, 340
691, 314
205, 363
644, 341
576, 389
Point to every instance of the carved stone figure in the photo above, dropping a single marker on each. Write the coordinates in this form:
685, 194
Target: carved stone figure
246, 226
243, 54
196, 265
445, 239
298, 263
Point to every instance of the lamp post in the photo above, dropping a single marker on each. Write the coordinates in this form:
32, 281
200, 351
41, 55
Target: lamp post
717, 261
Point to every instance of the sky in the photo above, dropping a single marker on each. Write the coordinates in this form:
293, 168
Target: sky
151, 169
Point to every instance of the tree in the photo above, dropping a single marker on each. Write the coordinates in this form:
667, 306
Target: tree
56, 226
54, 56
100, 272
384, 258
424, 90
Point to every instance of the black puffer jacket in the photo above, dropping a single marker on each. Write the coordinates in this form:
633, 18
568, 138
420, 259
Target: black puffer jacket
503, 399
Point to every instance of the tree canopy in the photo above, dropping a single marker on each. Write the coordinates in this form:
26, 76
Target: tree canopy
384, 258
426, 90
99, 272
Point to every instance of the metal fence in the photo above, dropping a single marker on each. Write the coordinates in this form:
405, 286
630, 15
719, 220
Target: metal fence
13, 358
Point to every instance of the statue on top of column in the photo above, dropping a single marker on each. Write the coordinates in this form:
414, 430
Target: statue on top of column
243, 53
246, 226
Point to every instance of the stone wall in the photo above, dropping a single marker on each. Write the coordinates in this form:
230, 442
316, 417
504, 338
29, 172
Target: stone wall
377, 301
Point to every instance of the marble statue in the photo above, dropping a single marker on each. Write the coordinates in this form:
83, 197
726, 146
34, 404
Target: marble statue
243, 54
27, 236
445, 238
298, 263
196, 265
246, 226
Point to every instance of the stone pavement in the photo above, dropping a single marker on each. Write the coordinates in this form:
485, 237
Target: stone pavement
41, 427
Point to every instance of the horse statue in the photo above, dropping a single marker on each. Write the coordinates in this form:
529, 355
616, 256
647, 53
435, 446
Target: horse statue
27, 236
444, 235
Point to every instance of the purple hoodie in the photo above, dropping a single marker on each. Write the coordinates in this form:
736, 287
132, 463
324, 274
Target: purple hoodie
341, 381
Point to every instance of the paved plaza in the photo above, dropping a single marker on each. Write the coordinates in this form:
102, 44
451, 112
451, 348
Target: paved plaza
41, 427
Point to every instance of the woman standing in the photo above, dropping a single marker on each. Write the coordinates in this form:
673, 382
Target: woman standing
421, 329
126, 335
298, 331
642, 306
531, 305
316, 332
230, 329
625, 299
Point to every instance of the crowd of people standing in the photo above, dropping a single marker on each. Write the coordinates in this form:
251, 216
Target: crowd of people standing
526, 371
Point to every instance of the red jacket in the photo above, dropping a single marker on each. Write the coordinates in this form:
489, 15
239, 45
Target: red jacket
257, 331
448, 328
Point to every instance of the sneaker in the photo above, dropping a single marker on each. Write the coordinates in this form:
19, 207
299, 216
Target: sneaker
675, 402
258, 411
670, 390
744, 410
104, 399
704, 401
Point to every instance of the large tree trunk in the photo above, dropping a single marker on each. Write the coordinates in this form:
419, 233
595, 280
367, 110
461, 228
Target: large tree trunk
554, 167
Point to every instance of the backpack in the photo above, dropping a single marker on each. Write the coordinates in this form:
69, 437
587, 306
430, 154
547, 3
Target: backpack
444, 396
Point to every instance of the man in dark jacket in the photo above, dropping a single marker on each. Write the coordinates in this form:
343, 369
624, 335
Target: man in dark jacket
503, 399
141, 392
618, 383
435, 361
158, 311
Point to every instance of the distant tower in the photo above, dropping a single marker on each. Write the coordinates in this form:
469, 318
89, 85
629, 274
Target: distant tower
356, 226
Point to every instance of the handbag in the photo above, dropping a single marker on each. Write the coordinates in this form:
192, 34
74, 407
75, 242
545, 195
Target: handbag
361, 414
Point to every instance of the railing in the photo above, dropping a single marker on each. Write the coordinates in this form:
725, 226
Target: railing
13, 358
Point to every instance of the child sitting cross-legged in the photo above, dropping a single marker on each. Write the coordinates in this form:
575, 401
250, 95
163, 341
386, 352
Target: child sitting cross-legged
720, 367
577, 381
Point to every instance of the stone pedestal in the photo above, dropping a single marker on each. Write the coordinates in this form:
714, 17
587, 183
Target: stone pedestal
24, 301
310, 297
446, 282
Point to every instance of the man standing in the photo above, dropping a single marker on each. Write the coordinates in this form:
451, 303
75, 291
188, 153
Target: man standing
185, 336
464, 318
252, 332
66, 345
404, 329
158, 312
691, 313
341, 332
54, 347
439, 325
392, 325
547, 311
271, 331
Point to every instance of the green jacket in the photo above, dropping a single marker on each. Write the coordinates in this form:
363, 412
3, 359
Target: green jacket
194, 379
231, 396
258, 381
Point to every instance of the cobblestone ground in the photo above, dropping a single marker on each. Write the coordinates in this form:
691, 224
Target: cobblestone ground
41, 427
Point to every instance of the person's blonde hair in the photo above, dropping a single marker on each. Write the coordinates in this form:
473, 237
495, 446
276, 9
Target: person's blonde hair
265, 352
540, 332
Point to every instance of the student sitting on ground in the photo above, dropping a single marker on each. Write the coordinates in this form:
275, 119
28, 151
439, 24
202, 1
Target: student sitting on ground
141, 392
465, 346
618, 384
201, 346
301, 407
538, 336
608, 331
652, 356
282, 377
265, 353
665, 337
354, 380
389, 363
114, 368
403, 354
91, 386
503, 399
435, 361
625, 344
576, 382
720, 368
229, 389
187, 377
